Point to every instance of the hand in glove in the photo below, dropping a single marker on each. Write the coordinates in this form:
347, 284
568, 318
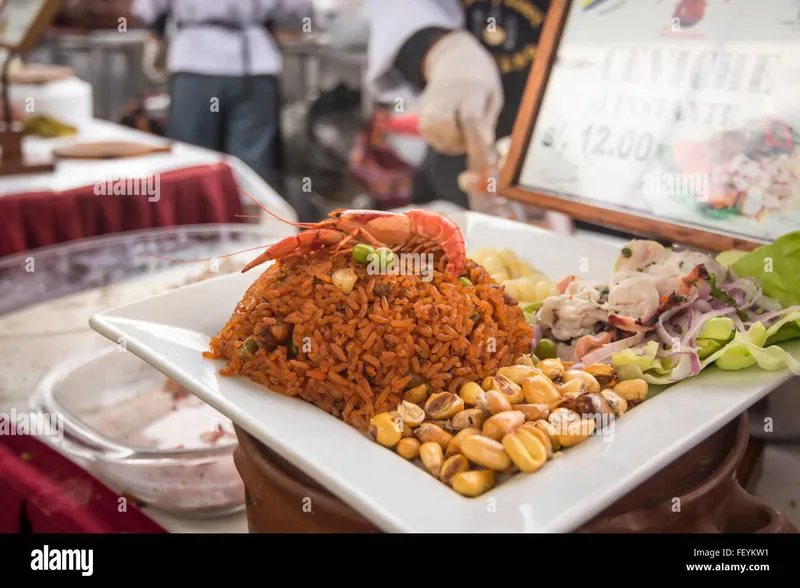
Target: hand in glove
463, 96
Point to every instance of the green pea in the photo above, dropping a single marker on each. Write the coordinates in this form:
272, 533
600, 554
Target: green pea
465, 281
386, 255
362, 251
546, 349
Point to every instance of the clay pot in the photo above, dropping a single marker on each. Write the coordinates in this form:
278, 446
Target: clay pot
697, 493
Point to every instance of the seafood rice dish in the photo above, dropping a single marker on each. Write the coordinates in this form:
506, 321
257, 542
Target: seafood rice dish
365, 306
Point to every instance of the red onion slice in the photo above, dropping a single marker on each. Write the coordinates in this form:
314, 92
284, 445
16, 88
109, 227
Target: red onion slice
605, 351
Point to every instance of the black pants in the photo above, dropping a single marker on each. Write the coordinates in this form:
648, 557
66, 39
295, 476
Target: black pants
231, 114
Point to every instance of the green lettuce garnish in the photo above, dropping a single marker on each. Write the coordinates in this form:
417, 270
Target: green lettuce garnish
647, 362
752, 348
722, 345
776, 267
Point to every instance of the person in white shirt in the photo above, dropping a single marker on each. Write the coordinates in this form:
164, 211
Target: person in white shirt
466, 61
223, 66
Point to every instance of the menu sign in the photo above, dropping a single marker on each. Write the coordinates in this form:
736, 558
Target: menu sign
685, 111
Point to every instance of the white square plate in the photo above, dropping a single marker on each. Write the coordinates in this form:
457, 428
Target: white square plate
170, 332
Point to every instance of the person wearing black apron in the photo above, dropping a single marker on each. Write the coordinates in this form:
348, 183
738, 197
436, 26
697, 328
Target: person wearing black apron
224, 66
467, 61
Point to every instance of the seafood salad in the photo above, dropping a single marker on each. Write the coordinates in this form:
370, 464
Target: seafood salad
665, 315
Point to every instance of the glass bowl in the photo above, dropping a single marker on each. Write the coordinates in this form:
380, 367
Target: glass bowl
48, 295
142, 434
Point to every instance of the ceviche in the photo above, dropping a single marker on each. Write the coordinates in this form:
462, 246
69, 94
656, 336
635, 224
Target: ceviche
665, 315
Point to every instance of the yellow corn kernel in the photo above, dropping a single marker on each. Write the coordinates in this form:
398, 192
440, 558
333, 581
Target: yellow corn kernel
518, 373
470, 418
408, 448
589, 381
493, 402
432, 457
525, 450
552, 368
540, 389
577, 432
541, 436
502, 424
572, 387
454, 447
532, 412
632, 390
417, 395
549, 430
473, 483
605, 375
469, 393
508, 388
386, 429
452, 466
412, 415
485, 452
443, 406
616, 402
430, 433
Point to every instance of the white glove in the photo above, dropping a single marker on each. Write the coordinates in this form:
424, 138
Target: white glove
463, 89
153, 60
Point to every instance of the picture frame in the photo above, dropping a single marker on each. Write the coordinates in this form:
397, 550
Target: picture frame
22, 23
648, 193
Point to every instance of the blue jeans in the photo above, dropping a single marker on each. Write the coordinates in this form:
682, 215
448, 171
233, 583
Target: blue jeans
230, 114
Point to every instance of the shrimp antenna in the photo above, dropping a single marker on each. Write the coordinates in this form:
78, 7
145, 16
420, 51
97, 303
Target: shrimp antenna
202, 260
268, 211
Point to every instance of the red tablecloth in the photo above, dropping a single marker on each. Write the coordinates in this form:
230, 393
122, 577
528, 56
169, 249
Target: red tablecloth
195, 195
42, 491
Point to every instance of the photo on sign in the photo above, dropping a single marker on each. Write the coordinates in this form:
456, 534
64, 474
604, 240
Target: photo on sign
699, 127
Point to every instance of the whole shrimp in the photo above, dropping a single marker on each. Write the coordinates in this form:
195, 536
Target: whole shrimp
378, 228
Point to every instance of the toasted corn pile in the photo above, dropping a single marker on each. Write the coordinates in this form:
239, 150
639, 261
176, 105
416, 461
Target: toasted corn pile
513, 422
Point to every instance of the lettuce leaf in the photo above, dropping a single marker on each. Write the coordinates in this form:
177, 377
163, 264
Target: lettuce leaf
737, 351
776, 267
645, 359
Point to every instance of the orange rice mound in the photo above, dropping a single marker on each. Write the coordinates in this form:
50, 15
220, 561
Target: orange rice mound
354, 355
